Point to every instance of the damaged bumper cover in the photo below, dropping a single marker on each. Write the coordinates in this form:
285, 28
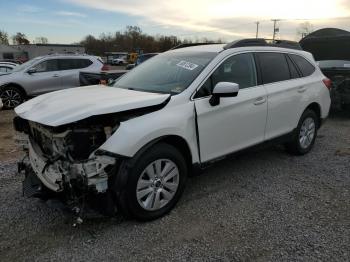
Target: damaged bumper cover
56, 173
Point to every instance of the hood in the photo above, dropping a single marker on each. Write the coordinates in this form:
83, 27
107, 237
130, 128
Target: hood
67, 106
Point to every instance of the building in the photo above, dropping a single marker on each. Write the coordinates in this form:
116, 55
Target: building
34, 50
8, 52
328, 44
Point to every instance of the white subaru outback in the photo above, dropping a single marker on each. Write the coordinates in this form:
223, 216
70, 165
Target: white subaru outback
130, 147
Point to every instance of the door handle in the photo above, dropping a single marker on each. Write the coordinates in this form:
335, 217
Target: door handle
259, 101
55, 75
302, 89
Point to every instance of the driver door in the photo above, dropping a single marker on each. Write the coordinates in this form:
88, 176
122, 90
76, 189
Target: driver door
47, 77
237, 122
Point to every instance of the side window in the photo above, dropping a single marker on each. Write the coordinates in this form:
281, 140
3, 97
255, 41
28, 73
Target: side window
47, 66
274, 67
305, 66
83, 63
238, 69
293, 70
69, 64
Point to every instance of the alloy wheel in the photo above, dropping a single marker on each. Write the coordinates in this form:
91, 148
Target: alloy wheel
307, 132
11, 98
157, 184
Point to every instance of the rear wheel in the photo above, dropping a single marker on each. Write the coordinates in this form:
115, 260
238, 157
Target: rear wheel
155, 181
305, 135
11, 96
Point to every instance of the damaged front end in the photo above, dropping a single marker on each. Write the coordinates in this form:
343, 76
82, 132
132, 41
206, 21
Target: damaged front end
64, 162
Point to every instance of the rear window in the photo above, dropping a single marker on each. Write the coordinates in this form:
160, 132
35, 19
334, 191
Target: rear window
274, 67
305, 67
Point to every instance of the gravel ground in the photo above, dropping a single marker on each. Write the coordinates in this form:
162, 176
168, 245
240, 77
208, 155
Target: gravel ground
262, 205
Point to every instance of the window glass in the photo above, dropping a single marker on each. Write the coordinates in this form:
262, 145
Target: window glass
238, 69
305, 66
47, 66
4, 69
69, 64
274, 67
170, 72
293, 70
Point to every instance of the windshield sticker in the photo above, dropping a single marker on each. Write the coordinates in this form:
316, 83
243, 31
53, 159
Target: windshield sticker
187, 65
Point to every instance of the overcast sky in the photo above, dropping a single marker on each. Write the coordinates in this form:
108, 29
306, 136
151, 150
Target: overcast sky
68, 21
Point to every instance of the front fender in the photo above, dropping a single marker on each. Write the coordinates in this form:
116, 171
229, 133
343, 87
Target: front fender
134, 134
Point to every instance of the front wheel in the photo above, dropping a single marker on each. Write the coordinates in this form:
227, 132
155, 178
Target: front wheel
305, 135
11, 97
155, 181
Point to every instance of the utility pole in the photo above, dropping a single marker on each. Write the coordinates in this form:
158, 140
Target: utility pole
274, 27
257, 29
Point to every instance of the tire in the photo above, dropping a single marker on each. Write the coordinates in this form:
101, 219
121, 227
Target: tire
305, 134
11, 96
133, 185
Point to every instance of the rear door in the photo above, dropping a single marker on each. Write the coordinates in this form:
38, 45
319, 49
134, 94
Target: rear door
70, 69
285, 90
46, 78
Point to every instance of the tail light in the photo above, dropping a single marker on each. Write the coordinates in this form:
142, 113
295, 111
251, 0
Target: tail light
105, 67
328, 83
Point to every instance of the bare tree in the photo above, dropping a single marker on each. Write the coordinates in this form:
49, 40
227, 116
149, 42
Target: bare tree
4, 38
41, 40
20, 39
305, 29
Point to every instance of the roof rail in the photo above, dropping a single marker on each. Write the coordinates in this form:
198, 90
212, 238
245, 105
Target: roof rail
191, 44
263, 42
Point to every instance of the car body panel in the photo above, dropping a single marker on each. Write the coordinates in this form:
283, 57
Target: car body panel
175, 119
61, 107
236, 123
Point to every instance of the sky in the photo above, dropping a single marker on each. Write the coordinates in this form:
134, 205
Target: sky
68, 21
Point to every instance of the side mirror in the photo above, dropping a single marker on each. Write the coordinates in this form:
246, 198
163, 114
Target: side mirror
31, 70
223, 89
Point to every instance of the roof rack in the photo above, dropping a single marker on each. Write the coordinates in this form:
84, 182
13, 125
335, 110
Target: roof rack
263, 42
191, 44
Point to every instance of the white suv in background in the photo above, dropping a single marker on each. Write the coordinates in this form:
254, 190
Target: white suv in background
132, 145
44, 74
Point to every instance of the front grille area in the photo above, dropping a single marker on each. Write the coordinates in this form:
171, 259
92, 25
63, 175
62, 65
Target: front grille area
43, 140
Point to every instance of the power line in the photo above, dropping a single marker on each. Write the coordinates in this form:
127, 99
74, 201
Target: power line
274, 27
257, 29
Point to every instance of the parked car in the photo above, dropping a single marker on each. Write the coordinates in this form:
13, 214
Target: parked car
339, 72
119, 61
141, 58
13, 61
100, 77
44, 74
8, 63
6, 68
132, 145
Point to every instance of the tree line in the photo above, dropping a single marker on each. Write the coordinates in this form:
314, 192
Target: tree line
20, 39
132, 39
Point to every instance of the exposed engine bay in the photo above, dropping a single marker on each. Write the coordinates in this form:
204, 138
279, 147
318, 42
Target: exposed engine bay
64, 159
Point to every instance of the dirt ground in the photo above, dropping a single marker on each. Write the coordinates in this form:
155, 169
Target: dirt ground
8, 149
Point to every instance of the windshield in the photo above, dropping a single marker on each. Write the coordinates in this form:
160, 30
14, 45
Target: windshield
169, 73
26, 65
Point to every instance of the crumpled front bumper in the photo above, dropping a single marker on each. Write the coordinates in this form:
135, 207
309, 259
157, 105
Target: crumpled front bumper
56, 173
